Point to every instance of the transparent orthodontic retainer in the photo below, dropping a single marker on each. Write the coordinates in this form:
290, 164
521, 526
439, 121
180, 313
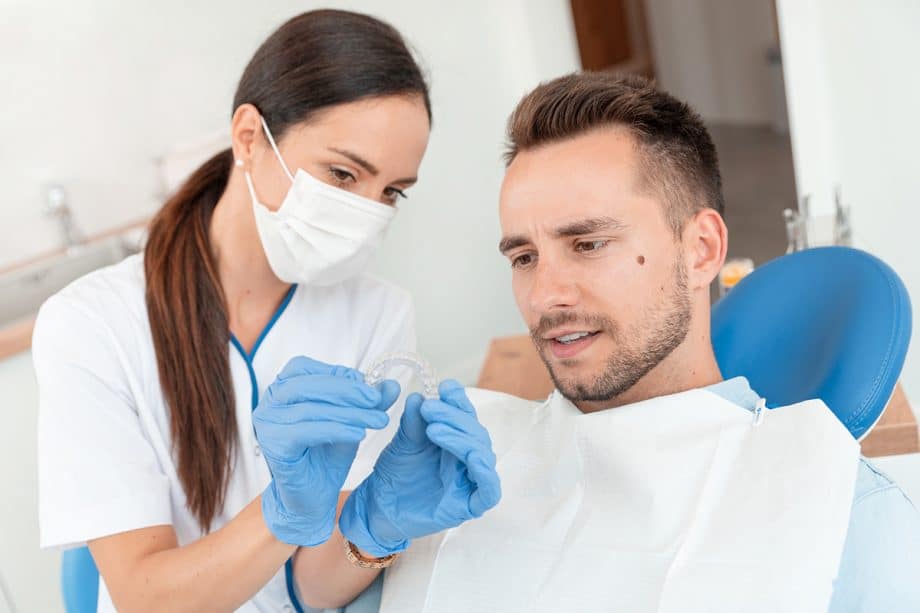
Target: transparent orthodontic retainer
423, 370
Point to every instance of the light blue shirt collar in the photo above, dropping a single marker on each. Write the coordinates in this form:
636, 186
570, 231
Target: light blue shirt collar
737, 391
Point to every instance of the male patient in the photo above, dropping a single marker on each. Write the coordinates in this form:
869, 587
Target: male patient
646, 482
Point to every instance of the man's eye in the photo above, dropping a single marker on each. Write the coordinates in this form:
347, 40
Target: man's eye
589, 246
525, 259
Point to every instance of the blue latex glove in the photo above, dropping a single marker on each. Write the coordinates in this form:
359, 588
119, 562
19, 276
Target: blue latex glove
436, 473
309, 424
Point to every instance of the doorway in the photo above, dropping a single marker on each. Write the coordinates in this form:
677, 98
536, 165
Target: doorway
722, 57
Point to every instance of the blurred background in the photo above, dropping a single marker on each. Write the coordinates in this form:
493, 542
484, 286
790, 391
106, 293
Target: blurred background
106, 105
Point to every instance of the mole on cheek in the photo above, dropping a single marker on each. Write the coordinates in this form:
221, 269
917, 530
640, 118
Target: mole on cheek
641, 260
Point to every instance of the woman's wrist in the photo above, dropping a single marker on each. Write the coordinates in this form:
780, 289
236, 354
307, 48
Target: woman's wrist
293, 530
363, 559
355, 523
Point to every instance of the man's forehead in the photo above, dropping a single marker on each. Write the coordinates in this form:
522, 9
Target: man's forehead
582, 176
561, 211
603, 148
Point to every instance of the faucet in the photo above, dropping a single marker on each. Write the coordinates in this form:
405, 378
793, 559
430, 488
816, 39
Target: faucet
843, 229
797, 226
56, 206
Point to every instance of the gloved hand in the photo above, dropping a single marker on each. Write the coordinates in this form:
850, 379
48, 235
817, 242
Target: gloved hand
309, 424
436, 473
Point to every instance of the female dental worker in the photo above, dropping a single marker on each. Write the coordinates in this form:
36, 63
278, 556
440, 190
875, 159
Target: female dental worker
196, 484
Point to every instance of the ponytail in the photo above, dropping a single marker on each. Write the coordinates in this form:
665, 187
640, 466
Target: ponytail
188, 321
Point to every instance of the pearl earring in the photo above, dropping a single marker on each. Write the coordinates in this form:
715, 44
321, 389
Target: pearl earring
238, 162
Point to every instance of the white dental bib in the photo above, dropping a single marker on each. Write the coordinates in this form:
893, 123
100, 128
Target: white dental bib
676, 504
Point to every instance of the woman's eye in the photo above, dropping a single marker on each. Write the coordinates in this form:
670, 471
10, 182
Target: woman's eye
391, 195
525, 259
339, 176
589, 246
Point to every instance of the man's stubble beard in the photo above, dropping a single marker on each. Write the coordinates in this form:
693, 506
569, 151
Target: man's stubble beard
636, 351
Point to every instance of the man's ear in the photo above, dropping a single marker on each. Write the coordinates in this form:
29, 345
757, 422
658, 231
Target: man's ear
706, 243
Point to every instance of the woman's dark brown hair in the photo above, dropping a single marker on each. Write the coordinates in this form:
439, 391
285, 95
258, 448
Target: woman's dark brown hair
314, 61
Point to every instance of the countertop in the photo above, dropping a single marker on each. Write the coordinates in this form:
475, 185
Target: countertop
17, 336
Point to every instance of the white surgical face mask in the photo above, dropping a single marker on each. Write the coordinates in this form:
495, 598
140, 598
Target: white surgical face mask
320, 234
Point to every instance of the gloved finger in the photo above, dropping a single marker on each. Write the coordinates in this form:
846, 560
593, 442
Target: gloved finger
488, 490
328, 433
411, 434
479, 462
325, 388
302, 365
440, 411
389, 391
460, 444
435, 411
315, 412
284, 443
453, 393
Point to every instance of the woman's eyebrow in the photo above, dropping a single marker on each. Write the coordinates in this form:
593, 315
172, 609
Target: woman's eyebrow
370, 168
357, 159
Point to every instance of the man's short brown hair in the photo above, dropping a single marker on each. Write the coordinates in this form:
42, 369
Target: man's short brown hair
678, 160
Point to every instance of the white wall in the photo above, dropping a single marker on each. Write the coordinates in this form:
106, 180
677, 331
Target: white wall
100, 88
853, 92
712, 54
31, 575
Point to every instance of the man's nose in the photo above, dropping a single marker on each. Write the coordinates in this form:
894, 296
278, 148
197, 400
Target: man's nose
553, 288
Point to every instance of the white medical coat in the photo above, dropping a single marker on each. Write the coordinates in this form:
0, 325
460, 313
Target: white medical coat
106, 457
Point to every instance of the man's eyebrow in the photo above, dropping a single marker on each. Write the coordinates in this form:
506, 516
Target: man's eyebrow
512, 242
589, 226
373, 170
575, 228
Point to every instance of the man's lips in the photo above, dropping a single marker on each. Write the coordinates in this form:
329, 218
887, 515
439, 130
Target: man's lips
563, 332
563, 350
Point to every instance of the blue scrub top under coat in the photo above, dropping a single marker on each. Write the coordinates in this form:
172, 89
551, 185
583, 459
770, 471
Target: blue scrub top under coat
248, 358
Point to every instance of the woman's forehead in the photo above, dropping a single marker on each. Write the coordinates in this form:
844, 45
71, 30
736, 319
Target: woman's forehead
390, 134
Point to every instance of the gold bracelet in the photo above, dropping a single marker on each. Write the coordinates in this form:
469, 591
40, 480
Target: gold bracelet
354, 556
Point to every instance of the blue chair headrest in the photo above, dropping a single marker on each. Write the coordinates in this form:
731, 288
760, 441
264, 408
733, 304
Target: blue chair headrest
832, 323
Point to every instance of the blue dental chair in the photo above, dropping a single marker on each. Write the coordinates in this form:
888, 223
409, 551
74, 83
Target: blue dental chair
79, 581
832, 323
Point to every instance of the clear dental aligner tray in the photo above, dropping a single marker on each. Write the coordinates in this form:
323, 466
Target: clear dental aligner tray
423, 370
